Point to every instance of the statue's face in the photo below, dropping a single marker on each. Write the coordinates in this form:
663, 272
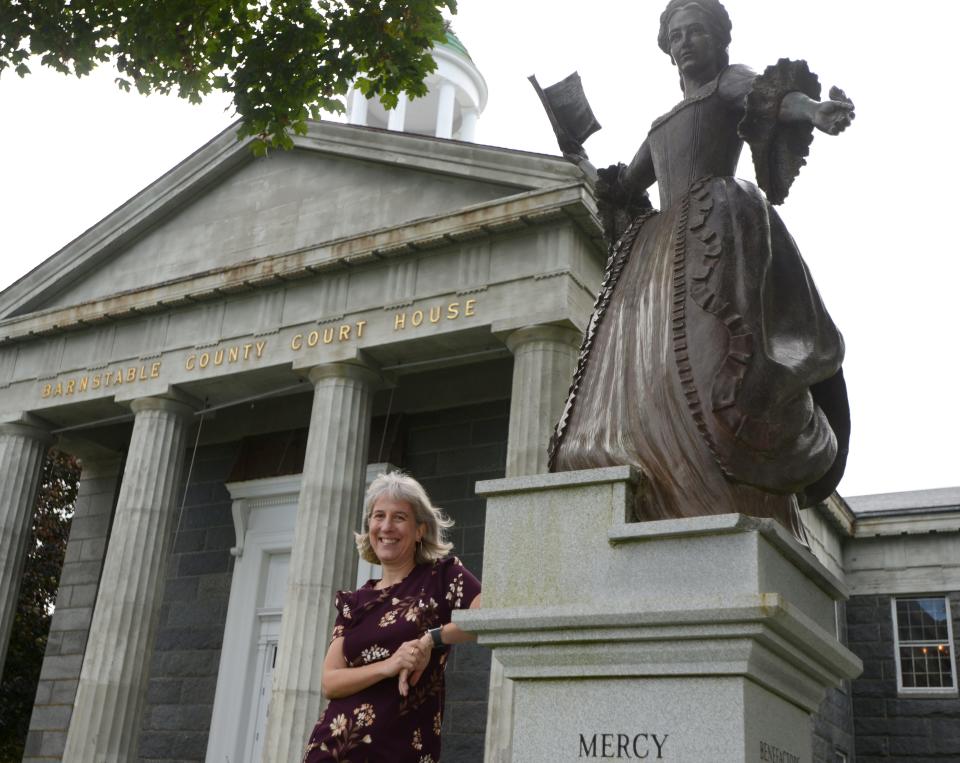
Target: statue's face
691, 45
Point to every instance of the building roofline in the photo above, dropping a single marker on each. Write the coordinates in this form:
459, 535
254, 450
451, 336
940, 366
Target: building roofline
224, 154
907, 502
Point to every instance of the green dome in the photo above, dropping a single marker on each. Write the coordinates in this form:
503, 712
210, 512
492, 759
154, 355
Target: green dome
453, 42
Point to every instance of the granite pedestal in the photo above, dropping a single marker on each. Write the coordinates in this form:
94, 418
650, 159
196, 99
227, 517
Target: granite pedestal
703, 639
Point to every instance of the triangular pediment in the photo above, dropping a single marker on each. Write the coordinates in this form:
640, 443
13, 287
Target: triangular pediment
222, 207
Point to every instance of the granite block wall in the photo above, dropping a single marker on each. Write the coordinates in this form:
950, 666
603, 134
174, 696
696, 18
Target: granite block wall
449, 451
833, 735
76, 596
914, 728
183, 670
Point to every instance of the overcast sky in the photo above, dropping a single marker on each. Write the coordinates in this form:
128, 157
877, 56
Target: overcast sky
872, 212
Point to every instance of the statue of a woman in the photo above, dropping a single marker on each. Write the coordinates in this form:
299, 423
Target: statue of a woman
710, 361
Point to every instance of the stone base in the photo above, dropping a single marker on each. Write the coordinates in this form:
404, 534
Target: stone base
697, 639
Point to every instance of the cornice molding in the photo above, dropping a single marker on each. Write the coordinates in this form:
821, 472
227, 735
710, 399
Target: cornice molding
572, 202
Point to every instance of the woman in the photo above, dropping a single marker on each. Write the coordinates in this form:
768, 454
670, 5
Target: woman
710, 361
383, 672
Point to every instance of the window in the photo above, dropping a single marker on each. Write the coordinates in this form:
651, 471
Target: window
923, 645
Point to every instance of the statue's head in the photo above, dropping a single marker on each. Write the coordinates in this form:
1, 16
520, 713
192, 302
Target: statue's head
714, 18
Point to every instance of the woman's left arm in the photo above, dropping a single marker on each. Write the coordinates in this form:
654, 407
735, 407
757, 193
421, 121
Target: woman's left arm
831, 117
451, 633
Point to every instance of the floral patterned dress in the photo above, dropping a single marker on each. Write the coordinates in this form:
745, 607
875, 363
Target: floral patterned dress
377, 725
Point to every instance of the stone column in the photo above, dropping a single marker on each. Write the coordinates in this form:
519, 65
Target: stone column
358, 109
113, 680
397, 116
544, 358
323, 558
468, 125
446, 101
23, 447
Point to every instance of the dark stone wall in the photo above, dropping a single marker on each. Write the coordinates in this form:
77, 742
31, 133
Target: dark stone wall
919, 729
449, 451
76, 596
183, 671
833, 733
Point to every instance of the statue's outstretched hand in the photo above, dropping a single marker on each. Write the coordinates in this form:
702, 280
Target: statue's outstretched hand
834, 116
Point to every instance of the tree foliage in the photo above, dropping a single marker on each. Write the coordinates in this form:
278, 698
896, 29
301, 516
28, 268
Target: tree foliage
282, 61
38, 591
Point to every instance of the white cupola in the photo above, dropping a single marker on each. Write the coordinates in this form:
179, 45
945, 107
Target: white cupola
456, 96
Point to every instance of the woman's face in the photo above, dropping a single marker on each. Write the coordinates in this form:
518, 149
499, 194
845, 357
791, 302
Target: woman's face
394, 531
692, 46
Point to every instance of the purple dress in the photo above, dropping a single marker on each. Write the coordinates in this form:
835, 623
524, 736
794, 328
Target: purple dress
377, 725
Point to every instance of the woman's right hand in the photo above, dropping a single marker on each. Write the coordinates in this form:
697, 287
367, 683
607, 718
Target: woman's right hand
409, 659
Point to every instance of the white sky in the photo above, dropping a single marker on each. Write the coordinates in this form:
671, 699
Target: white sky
872, 212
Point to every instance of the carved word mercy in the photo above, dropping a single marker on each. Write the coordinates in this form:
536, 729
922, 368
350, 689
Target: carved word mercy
623, 746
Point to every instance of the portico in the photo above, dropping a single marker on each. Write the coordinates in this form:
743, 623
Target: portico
335, 300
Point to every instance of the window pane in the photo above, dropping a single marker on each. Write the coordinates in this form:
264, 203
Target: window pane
926, 666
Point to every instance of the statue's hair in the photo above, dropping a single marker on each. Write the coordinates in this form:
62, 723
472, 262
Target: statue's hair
717, 18
402, 487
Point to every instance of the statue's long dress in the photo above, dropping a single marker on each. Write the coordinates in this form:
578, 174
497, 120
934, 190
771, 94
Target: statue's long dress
710, 362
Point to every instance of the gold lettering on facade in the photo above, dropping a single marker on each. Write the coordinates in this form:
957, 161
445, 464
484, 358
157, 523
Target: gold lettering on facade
221, 355
435, 314
341, 333
76, 385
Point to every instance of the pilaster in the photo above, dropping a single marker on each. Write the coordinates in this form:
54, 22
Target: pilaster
323, 558
109, 702
22, 450
544, 358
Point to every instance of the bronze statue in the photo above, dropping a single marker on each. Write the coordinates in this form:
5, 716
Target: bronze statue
710, 361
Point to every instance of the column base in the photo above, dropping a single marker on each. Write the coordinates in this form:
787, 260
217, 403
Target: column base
708, 638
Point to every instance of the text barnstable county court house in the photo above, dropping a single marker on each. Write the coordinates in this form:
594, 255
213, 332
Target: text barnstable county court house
254, 350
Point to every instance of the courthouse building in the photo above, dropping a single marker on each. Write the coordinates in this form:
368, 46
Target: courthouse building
234, 353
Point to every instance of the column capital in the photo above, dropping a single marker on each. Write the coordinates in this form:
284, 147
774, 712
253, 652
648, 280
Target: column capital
343, 371
27, 425
543, 333
175, 402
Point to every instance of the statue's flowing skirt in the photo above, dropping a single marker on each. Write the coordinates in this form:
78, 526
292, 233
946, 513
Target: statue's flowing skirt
699, 362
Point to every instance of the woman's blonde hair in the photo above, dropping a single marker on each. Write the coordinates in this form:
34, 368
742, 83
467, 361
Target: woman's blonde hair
402, 487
